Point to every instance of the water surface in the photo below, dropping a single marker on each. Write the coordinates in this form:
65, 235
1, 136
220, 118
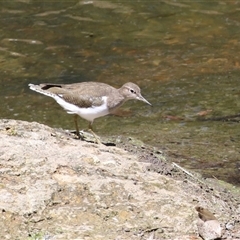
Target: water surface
183, 55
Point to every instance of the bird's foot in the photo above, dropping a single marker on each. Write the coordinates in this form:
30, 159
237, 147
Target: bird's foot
78, 135
87, 135
97, 138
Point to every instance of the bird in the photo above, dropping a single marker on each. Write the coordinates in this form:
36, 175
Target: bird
205, 214
89, 100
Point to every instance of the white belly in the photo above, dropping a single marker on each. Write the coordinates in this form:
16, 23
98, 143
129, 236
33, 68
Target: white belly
87, 113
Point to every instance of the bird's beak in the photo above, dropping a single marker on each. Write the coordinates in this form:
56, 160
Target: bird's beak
141, 98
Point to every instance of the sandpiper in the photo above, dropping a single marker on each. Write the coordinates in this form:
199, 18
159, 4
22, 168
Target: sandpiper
89, 100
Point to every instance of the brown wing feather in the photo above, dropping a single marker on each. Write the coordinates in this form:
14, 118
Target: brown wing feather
83, 101
76, 93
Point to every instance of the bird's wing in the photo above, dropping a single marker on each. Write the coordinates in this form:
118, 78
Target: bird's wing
71, 94
81, 100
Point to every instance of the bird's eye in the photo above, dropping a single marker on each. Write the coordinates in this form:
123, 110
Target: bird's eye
132, 91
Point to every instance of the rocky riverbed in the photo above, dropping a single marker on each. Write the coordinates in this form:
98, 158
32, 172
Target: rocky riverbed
54, 186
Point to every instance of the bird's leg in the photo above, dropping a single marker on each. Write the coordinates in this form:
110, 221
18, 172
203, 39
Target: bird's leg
90, 129
76, 126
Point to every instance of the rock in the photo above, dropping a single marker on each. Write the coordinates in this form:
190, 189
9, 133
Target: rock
56, 187
210, 229
208, 226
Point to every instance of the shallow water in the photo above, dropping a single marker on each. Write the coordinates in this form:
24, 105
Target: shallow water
183, 55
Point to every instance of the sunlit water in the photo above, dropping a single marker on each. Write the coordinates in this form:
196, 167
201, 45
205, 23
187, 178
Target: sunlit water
183, 55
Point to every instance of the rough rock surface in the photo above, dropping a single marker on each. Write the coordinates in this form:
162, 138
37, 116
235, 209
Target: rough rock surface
56, 187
